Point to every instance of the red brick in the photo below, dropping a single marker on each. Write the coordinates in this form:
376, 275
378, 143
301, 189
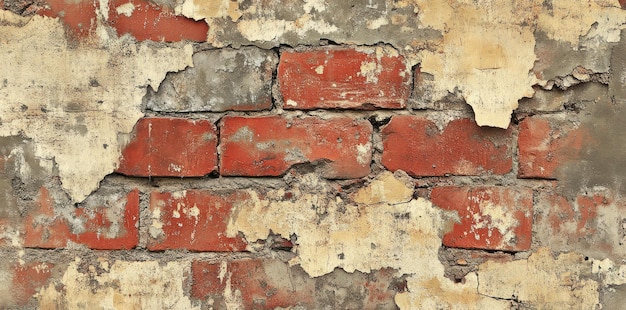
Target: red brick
271, 283
79, 16
545, 145
492, 218
415, 145
42, 228
269, 146
100, 222
149, 21
28, 279
579, 213
339, 78
264, 284
589, 222
108, 227
195, 220
170, 147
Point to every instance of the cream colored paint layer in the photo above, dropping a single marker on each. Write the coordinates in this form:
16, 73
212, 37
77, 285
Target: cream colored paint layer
487, 54
542, 281
570, 20
328, 226
120, 286
201, 9
384, 189
76, 103
333, 233
441, 293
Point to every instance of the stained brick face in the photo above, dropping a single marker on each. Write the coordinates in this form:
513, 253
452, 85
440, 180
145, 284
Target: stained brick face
491, 218
312, 154
170, 147
146, 20
415, 144
194, 220
546, 144
107, 227
343, 79
28, 278
271, 284
269, 146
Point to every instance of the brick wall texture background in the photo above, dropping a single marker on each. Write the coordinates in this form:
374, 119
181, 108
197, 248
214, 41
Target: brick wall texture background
305, 154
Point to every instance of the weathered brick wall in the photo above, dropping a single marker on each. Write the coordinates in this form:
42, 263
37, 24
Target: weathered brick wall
286, 154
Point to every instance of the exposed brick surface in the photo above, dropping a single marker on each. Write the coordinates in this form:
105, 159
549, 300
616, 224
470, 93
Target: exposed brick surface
563, 214
547, 144
79, 16
343, 78
109, 227
263, 284
220, 80
28, 279
195, 220
269, 146
148, 21
415, 145
271, 284
170, 147
591, 222
493, 218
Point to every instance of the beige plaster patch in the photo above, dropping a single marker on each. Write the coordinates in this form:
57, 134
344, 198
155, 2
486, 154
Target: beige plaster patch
121, 286
487, 54
76, 103
542, 281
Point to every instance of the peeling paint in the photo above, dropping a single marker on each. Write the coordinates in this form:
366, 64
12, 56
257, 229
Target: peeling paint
332, 233
120, 286
343, 228
487, 55
543, 281
386, 188
270, 29
567, 21
127, 9
99, 88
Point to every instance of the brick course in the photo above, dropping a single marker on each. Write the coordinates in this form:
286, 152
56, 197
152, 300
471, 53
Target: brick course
415, 145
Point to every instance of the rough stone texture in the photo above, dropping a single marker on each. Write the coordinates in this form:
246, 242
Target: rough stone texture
193, 220
268, 146
221, 80
344, 79
170, 147
492, 218
416, 145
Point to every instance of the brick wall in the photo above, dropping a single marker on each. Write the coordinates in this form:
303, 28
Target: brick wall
324, 175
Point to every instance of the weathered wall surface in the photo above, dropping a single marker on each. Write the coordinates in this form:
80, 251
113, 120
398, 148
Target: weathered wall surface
312, 154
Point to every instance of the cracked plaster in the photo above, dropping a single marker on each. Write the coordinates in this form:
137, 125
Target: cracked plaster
76, 102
